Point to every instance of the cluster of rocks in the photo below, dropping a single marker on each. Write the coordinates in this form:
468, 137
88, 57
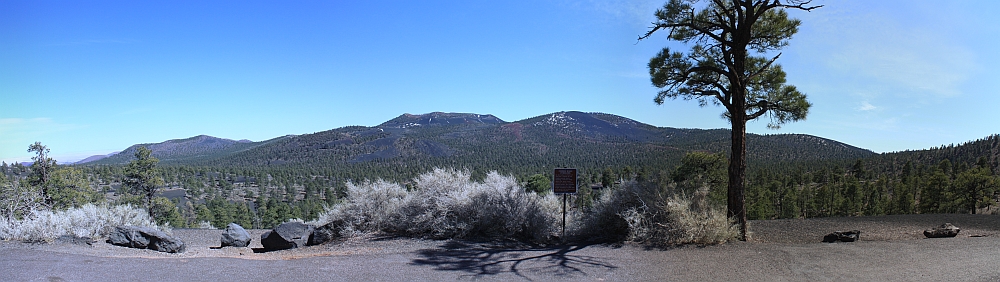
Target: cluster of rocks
288, 235
943, 231
842, 236
285, 236
292, 235
145, 238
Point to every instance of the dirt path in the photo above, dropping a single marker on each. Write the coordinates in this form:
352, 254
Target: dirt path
888, 256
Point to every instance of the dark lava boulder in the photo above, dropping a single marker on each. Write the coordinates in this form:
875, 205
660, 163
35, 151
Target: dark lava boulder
235, 236
850, 236
843, 236
943, 231
830, 238
326, 233
288, 235
145, 238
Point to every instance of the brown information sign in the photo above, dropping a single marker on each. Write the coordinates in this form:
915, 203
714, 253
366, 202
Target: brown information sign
564, 181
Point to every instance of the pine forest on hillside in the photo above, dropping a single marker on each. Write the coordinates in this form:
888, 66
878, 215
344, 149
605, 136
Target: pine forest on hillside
261, 184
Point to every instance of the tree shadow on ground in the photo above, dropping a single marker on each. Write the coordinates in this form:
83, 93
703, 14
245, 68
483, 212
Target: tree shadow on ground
485, 260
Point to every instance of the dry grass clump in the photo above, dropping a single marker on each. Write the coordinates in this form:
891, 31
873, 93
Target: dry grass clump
446, 203
86, 221
646, 213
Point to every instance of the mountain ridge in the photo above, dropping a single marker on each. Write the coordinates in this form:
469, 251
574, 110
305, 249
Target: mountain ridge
95, 158
174, 150
473, 140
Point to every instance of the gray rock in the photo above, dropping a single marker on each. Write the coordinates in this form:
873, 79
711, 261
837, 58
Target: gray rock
326, 233
168, 245
843, 236
235, 236
288, 235
70, 239
145, 238
943, 231
130, 236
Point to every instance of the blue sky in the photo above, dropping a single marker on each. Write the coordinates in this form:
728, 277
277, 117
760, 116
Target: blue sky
92, 77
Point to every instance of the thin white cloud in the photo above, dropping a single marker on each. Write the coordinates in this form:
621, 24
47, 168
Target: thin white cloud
865, 106
915, 59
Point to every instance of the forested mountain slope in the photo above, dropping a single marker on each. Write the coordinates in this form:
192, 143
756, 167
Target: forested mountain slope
965, 153
411, 144
184, 151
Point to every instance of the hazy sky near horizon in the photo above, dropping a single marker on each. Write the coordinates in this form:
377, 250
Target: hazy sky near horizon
92, 77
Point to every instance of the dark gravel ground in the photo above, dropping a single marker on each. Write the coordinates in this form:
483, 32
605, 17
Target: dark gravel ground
891, 249
873, 228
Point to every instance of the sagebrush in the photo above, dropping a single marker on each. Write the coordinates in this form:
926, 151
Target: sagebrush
88, 220
446, 203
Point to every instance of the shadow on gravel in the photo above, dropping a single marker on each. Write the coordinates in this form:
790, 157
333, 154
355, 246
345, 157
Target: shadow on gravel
481, 260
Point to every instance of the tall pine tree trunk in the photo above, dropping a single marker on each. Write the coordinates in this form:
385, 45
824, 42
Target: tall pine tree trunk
736, 204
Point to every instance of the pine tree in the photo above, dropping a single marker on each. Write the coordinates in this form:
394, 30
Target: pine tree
41, 170
721, 69
142, 178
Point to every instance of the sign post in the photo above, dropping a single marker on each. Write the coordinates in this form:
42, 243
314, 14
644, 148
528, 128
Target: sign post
564, 182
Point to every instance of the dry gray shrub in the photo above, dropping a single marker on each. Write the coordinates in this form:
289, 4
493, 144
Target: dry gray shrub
18, 200
446, 203
606, 220
645, 213
499, 207
433, 209
369, 206
86, 221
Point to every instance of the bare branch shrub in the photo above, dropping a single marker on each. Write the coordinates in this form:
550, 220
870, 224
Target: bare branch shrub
607, 220
645, 213
18, 200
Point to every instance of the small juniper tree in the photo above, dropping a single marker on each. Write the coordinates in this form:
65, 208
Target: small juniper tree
41, 170
141, 177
